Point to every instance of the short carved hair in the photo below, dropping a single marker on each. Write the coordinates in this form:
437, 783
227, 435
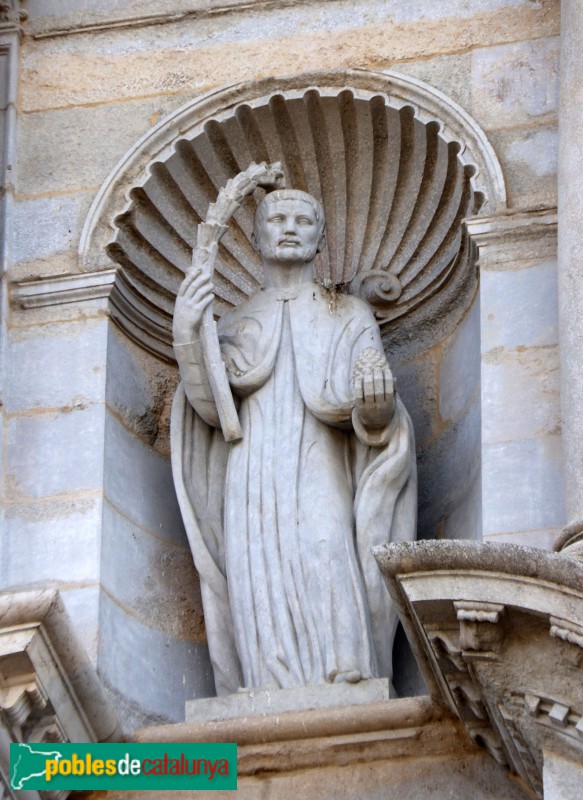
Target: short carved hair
290, 194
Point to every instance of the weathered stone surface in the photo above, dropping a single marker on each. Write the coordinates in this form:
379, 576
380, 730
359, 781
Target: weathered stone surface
562, 777
416, 383
544, 538
516, 84
523, 485
60, 544
154, 671
515, 240
82, 604
519, 372
459, 371
73, 355
140, 391
4, 87
441, 488
96, 137
515, 380
56, 662
519, 307
569, 271
151, 577
42, 461
451, 74
498, 627
443, 778
117, 67
464, 520
245, 704
138, 482
318, 753
529, 161
56, 228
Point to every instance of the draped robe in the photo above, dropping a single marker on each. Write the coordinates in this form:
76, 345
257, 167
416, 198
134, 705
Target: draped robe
281, 523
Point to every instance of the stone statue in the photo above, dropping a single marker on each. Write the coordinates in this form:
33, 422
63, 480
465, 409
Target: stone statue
281, 521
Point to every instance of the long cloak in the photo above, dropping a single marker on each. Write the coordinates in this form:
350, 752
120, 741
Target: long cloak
281, 523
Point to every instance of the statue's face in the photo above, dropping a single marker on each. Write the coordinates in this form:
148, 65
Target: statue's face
288, 231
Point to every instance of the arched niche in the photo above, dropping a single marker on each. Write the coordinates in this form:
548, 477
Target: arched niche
398, 167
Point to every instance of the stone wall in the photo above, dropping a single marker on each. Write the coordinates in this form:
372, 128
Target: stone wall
87, 498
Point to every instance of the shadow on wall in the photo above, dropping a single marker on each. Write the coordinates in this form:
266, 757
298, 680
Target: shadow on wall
440, 385
152, 648
438, 378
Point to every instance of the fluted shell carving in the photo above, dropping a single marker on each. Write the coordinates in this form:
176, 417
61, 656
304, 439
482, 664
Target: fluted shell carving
394, 186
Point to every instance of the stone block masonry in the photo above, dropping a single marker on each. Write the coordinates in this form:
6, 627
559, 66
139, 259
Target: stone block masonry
86, 413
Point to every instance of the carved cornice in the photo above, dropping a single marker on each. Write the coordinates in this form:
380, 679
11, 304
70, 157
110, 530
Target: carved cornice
516, 225
48, 687
510, 669
515, 235
58, 289
49, 691
93, 21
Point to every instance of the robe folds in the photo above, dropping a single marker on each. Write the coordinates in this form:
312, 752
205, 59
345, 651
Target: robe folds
281, 523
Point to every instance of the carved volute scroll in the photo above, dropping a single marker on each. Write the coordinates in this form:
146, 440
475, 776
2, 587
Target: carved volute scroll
397, 166
11, 13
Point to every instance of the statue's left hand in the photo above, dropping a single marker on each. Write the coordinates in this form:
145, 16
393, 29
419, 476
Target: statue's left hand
374, 389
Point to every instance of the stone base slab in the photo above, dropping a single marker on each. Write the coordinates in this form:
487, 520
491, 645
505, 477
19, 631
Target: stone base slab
392, 749
278, 701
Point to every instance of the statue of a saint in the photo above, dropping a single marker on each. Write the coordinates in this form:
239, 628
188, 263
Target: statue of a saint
281, 522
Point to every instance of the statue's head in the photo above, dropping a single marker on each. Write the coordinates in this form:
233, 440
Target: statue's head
289, 226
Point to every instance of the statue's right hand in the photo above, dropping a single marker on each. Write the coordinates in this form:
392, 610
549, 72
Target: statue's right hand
194, 295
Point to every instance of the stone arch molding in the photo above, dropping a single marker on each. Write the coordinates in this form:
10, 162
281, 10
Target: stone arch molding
397, 165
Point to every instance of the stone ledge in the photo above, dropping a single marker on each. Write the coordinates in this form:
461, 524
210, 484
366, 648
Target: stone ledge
59, 289
284, 742
513, 225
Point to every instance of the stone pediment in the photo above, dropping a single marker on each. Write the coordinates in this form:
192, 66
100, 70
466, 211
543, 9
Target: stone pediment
498, 633
49, 690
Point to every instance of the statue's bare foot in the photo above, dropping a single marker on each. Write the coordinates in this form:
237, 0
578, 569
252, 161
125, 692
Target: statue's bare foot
351, 676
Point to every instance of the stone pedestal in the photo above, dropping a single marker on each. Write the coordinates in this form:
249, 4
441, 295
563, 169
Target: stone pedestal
262, 703
395, 749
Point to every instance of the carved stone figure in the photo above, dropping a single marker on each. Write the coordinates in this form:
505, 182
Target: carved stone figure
281, 521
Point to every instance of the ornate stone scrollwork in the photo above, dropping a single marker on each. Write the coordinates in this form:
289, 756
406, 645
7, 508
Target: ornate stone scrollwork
49, 692
480, 631
554, 713
379, 288
11, 12
513, 670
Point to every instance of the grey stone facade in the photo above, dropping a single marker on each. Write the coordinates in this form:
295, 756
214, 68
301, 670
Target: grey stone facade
492, 380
